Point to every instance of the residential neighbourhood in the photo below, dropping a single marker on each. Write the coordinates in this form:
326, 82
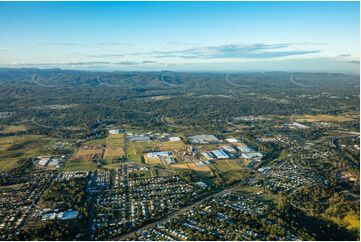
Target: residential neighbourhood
173, 173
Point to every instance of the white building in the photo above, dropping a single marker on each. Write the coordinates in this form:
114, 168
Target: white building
229, 149
116, 131
220, 154
43, 161
251, 155
159, 154
174, 139
232, 140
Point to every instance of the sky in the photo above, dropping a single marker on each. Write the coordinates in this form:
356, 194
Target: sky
182, 36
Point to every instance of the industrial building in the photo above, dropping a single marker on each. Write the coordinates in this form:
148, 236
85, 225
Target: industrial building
43, 161
229, 149
220, 154
159, 154
250, 155
174, 139
139, 138
244, 149
116, 131
232, 140
67, 215
203, 139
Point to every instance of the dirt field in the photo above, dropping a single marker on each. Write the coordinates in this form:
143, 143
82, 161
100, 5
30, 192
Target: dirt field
323, 117
89, 152
246, 162
115, 147
152, 161
85, 158
191, 166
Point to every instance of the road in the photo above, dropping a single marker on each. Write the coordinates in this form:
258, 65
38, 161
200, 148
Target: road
167, 83
305, 210
100, 122
234, 84
174, 214
112, 85
332, 142
47, 127
300, 84
168, 124
34, 205
292, 117
38, 83
106, 84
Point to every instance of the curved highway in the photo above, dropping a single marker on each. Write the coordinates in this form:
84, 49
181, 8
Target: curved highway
38, 83
234, 84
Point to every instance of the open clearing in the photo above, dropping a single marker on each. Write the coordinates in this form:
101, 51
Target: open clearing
229, 170
136, 150
85, 157
353, 221
266, 195
227, 165
115, 147
170, 145
350, 221
80, 165
323, 117
14, 148
7, 129
152, 161
160, 97
191, 166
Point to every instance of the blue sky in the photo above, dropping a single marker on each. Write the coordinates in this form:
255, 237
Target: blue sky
185, 36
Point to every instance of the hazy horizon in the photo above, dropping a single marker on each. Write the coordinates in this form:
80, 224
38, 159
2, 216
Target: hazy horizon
182, 36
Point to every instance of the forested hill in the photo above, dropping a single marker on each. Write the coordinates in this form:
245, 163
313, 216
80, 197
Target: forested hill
70, 98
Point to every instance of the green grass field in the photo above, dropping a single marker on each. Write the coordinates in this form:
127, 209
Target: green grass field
265, 195
136, 150
12, 128
324, 117
227, 165
95, 142
79, 165
353, 221
170, 145
115, 147
14, 148
80, 160
229, 170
